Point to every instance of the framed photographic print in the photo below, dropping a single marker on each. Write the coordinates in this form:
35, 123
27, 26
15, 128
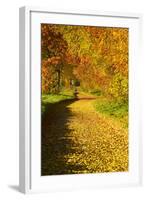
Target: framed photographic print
79, 100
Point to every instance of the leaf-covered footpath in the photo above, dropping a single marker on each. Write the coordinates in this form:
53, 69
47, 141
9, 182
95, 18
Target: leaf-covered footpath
82, 140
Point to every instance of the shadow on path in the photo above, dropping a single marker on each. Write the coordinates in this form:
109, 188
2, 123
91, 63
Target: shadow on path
56, 140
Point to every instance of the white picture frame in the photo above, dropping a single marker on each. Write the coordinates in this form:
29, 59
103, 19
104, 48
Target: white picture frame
29, 160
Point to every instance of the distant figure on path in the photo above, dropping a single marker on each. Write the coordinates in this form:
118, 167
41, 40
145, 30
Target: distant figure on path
76, 93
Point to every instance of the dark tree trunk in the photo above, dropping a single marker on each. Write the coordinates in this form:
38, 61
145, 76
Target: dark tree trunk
58, 80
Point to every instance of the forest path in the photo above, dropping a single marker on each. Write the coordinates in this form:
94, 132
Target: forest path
78, 139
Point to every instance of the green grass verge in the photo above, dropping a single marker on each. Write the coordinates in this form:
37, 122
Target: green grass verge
113, 109
54, 98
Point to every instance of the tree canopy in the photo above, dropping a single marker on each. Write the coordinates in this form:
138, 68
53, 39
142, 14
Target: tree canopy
95, 56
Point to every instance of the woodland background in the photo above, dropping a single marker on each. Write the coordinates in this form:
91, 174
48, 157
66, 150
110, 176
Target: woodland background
96, 56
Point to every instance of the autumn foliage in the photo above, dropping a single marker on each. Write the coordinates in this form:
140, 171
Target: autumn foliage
95, 56
84, 101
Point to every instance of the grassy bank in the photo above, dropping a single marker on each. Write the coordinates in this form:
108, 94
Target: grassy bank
113, 109
55, 98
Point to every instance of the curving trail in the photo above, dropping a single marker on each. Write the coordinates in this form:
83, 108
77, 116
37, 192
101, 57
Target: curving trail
77, 139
